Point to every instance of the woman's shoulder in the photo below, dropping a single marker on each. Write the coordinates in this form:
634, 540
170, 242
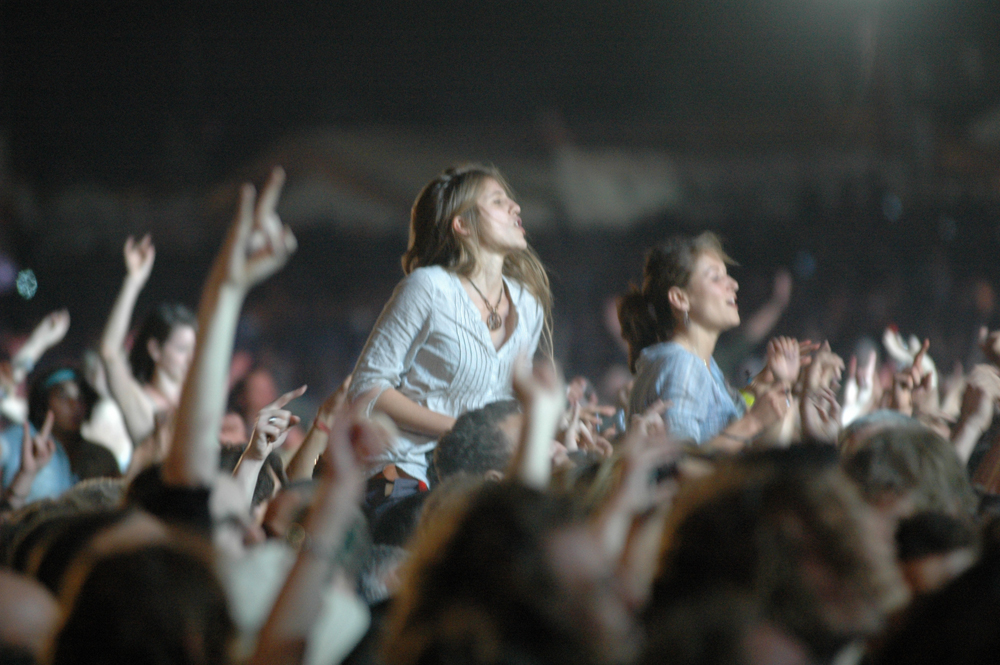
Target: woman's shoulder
522, 295
432, 278
430, 282
665, 354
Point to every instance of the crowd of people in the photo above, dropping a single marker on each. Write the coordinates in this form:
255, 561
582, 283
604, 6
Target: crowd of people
457, 500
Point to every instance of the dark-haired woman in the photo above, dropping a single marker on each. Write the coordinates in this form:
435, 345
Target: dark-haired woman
53, 455
671, 325
147, 383
475, 295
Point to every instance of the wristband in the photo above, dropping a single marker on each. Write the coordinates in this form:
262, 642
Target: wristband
321, 426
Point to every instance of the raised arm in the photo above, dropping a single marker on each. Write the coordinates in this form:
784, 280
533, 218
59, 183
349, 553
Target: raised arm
256, 247
302, 464
285, 635
542, 397
50, 331
137, 409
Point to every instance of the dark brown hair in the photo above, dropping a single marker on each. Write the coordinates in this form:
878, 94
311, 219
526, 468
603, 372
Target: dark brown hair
644, 313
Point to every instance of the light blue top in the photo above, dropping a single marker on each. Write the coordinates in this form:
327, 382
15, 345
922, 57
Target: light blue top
702, 404
52, 480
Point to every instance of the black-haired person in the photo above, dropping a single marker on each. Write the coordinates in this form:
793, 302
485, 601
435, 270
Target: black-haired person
672, 324
475, 295
147, 382
482, 442
52, 455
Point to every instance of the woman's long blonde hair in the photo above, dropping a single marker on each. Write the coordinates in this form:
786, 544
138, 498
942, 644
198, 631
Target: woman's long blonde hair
433, 242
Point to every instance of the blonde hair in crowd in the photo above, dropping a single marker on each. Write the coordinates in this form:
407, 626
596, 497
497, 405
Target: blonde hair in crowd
433, 242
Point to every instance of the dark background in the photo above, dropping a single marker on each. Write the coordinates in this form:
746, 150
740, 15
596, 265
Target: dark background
153, 100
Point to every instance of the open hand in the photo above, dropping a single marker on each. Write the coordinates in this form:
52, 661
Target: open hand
783, 359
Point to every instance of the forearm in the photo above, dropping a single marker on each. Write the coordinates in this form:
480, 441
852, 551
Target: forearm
964, 437
736, 436
763, 321
407, 414
304, 462
16, 494
137, 409
532, 464
116, 328
284, 637
245, 474
194, 453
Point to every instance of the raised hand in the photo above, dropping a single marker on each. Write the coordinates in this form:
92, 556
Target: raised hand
51, 330
771, 407
272, 426
258, 244
332, 404
825, 370
542, 397
783, 359
820, 412
982, 393
139, 258
908, 382
36, 452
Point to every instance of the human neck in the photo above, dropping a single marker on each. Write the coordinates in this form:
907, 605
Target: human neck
697, 340
488, 275
166, 388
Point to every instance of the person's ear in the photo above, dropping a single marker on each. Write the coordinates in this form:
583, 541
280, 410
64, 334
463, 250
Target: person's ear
678, 298
493, 476
459, 226
153, 348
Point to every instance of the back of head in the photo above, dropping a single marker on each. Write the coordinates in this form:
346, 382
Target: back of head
476, 443
958, 625
157, 325
481, 587
644, 313
914, 464
787, 536
155, 604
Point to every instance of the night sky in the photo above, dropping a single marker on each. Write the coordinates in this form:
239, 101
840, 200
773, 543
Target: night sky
164, 94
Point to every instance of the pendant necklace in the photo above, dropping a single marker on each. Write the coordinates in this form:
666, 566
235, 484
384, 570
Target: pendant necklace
493, 321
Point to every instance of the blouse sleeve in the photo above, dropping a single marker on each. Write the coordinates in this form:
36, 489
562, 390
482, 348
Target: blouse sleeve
680, 385
401, 329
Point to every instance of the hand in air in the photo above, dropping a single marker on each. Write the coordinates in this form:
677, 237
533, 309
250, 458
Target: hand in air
273, 424
783, 359
139, 258
258, 244
37, 451
51, 330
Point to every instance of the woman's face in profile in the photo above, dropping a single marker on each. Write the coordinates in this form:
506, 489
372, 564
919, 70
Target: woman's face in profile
499, 219
712, 294
175, 353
